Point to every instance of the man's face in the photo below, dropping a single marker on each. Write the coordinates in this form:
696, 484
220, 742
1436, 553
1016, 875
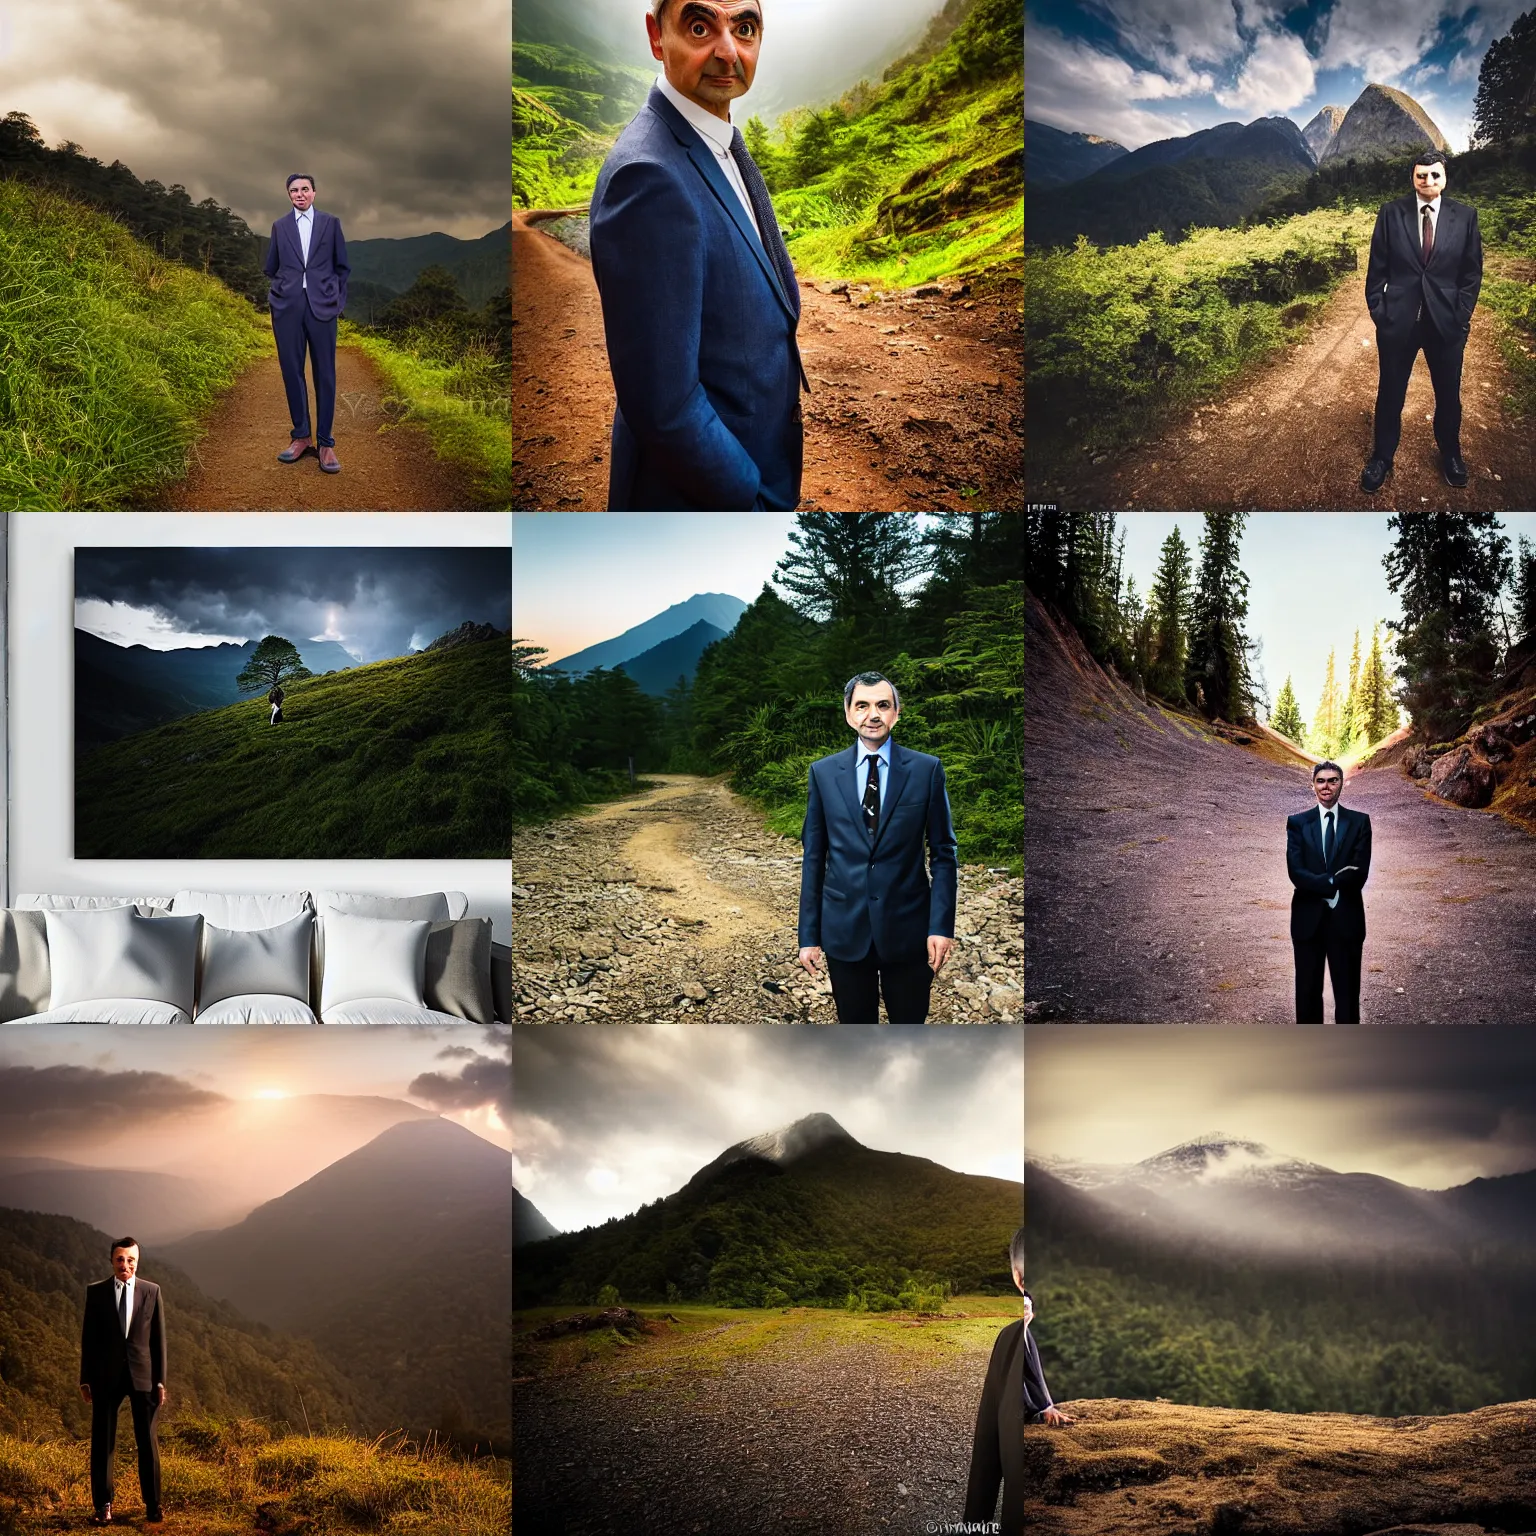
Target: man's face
300, 193
708, 49
124, 1262
872, 712
1326, 787
1429, 181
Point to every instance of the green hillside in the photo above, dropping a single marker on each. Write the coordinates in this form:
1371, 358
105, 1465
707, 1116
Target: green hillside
109, 353
221, 1362
843, 1226
400, 759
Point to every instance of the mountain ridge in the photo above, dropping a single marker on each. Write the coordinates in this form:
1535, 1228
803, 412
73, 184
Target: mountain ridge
717, 608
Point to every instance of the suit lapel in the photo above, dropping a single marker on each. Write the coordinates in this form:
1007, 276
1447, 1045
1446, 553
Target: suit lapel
847, 772
1314, 835
896, 781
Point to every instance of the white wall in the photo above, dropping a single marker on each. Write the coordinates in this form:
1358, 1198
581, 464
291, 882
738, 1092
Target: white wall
41, 719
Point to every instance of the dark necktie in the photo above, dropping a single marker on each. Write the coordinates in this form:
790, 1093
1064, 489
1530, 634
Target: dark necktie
1429, 235
767, 224
1328, 841
122, 1310
872, 795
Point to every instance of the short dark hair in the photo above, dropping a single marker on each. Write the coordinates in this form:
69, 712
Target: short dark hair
1326, 763
868, 680
300, 176
1430, 157
123, 1242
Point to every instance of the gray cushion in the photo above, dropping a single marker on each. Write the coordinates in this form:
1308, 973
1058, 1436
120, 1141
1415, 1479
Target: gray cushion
237, 962
501, 980
459, 969
24, 973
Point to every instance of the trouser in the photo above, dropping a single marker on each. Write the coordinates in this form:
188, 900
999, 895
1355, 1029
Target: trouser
857, 985
296, 331
1395, 358
105, 1403
1341, 950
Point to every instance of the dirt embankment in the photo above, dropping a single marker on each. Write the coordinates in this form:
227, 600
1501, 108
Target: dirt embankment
1129, 1468
1297, 431
1157, 890
679, 905
916, 399
761, 1429
234, 465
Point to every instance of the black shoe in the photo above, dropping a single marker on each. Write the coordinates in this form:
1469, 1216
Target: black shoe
154, 1517
1374, 475
103, 1516
1455, 470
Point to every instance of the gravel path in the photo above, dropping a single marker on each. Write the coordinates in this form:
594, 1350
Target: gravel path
805, 1433
1157, 890
677, 904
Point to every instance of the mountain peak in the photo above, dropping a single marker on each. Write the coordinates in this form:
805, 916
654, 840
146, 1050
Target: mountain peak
1383, 123
1216, 1155
788, 1144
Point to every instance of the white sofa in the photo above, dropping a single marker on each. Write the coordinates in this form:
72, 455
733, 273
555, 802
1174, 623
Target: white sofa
208, 957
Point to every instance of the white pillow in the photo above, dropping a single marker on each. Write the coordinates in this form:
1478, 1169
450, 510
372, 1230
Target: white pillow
242, 913
258, 1008
373, 957
385, 1010
435, 906
49, 903
240, 962
110, 1010
116, 953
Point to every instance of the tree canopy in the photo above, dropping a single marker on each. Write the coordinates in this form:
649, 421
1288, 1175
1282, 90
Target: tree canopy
275, 661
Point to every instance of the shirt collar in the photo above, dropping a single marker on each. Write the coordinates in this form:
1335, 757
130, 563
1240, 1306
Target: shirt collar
117, 1282
1323, 810
718, 135
883, 752
1424, 202
308, 213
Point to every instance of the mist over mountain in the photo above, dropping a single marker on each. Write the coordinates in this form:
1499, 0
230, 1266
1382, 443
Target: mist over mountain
529, 1223
717, 609
158, 1207
803, 1215
479, 267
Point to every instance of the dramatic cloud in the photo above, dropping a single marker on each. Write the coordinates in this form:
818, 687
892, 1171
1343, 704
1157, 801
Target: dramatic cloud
606, 1118
1276, 76
483, 1082
1429, 1107
375, 602
401, 109
60, 1099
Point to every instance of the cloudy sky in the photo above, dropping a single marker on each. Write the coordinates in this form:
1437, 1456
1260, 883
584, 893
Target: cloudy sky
1298, 605
376, 602
399, 108
1139, 70
607, 1117
1428, 1107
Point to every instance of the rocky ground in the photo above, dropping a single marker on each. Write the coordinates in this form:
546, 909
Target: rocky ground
1128, 1468
678, 905
789, 1425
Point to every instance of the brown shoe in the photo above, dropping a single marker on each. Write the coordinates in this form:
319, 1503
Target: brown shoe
329, 462
294, 451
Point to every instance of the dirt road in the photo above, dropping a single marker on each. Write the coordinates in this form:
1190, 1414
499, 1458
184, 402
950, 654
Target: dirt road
234, 465
678, 905
1157, 890
1297, 433
916, 402
762, 1429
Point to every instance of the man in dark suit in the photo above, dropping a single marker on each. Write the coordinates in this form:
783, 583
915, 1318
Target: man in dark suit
1328, 857
307, 262
1421, 286
700, 302
122, 1354
1014, 1394
865, 898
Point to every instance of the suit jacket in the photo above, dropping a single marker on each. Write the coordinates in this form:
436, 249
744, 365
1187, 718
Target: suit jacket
856, 890
1398, 283
997, 1451
1312, 879
326, 270
105, 1354
701, 335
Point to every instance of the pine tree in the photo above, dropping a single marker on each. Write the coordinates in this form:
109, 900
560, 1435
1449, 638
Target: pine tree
1525, 592
1286, 717
1168, 604
1218, 644
1351, 721
1504, 83
1324, 740
849, 565
1378, 708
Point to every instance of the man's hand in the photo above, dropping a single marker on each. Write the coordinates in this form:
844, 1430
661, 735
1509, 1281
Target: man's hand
810, 958
938, 952
1056, 1418
160, 1397
85, 1390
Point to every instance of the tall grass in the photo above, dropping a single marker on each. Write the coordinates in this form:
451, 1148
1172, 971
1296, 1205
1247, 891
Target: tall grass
460, 396
108, 356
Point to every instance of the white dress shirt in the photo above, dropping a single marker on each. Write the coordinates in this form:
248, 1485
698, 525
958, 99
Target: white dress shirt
882, 755
1322, 832
118, 1287
1434, 219
306, 224
718, 136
